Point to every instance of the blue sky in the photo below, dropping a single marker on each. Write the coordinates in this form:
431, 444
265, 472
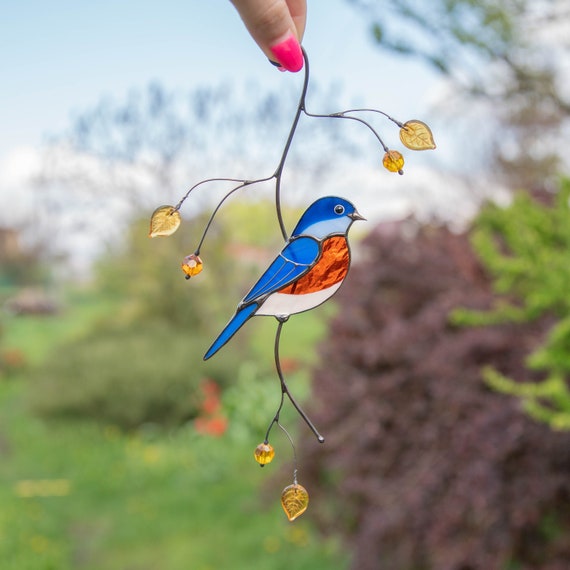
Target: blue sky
58, 58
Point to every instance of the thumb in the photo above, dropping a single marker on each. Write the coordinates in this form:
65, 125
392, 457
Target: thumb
277, 27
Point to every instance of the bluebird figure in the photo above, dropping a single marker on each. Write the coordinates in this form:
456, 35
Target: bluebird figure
310, 268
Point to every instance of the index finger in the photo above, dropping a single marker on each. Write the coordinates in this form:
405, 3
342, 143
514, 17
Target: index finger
272, 23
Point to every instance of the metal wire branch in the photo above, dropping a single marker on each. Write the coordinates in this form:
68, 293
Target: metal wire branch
285, 391
278, 173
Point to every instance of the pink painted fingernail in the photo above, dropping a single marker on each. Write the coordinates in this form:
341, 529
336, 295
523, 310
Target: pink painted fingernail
288, 53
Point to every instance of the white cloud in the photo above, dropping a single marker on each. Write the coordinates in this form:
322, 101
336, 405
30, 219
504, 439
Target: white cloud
18, 168
87, 202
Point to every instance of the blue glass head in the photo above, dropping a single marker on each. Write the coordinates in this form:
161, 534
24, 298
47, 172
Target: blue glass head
326, 216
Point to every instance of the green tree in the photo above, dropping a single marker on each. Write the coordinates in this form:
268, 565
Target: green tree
510, 54
526, 249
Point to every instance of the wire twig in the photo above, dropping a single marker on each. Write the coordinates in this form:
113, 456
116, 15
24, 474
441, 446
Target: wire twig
278, 173
285, 389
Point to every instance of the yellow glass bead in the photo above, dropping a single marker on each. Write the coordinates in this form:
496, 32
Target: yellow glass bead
264, 454
393, 161
191, 265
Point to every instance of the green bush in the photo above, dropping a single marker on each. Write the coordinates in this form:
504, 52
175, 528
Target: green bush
142, 362
128, 377
526, 250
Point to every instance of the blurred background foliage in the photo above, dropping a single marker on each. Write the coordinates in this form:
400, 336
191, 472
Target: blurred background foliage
505, 62
441, 382
525, 247
425, 465
148, 350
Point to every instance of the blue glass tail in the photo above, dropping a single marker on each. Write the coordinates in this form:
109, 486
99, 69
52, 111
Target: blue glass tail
231, 328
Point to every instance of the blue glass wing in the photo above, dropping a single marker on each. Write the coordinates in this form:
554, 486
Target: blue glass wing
297, 257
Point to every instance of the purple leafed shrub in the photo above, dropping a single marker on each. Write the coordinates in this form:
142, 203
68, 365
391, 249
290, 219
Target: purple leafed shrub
424, 467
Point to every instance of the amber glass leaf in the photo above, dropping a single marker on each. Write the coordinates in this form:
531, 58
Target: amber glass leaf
191, 265
393, 161
164, 221
264, 453
295, 500
416, 135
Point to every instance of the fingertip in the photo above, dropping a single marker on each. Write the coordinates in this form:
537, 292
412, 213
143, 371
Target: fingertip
287, 51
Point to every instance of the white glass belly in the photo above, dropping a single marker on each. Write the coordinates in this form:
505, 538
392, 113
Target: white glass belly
284, 304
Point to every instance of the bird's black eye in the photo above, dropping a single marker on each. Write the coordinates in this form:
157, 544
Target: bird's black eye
339, 209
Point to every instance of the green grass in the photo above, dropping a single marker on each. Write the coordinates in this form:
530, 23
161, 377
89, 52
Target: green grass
83, 496
35, 336
142, 501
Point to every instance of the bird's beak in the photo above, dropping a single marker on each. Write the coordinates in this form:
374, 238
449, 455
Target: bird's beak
355, 216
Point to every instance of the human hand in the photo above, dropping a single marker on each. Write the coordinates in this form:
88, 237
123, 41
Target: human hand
277, 26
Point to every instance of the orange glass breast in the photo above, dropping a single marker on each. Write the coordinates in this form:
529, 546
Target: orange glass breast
331, 268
